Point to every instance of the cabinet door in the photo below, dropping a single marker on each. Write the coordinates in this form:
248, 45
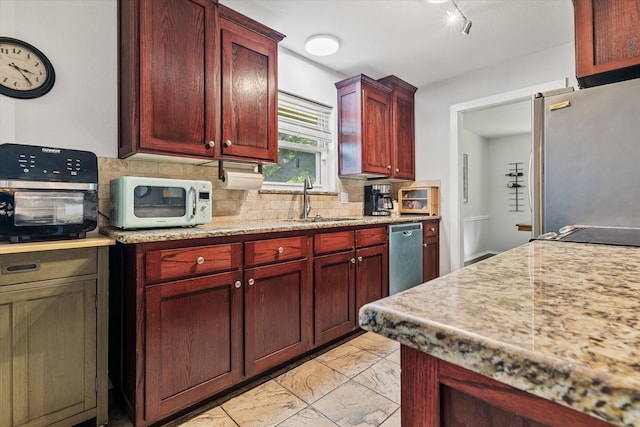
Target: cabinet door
430, 258
606, 41
334, 296
404, 139
372, 274
376, 132
178, 76
193, 341
53, 345
278, 302
249, 94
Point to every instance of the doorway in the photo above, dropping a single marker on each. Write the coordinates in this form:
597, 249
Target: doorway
484, 108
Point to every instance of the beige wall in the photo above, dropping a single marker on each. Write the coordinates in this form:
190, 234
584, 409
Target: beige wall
232, 204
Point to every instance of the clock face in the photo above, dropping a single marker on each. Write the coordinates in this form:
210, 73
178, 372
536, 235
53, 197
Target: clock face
25, 72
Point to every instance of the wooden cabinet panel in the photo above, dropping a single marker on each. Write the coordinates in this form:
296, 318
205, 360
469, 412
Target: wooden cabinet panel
333, 242
430, 250
36, 266
168, 77
278, 309
402, 142
364, 127
6, 356
275, 250
171, 264
334, 296
372, 274
430, 228
606, 35
436, 393
371, 236
193, 341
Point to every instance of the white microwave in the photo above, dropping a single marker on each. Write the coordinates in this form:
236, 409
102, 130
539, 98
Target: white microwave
140, 202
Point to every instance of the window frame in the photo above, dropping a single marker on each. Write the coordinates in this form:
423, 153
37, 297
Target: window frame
325, 150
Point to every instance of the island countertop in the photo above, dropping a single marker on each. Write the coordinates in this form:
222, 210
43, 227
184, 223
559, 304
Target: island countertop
555, 319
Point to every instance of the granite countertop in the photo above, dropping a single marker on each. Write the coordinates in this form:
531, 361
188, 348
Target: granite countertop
93, 239
222, 228
558, 320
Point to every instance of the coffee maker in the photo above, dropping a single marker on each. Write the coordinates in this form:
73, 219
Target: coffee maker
377, 201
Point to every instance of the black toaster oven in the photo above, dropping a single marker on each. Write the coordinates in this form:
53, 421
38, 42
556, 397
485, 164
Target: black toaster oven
47, 192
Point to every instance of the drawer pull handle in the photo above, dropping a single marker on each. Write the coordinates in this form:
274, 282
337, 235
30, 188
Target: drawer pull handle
200, 260
280, 249
21, 268
251, 282
238, 284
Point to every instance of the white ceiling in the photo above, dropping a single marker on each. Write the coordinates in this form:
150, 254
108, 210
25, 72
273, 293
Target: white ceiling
502, 120
410, 38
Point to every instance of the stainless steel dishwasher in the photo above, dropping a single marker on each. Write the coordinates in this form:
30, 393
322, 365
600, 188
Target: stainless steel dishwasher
405, 256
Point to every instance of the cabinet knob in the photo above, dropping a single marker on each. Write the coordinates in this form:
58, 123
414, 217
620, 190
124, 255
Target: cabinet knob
200, 260
211, 144
389, 167
238, 284
251, 282
397, 170
227, 143
424, 245
353, 260
280, 249
359, 259
432, 229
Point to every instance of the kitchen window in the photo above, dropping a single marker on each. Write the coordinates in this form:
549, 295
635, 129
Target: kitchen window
304, 142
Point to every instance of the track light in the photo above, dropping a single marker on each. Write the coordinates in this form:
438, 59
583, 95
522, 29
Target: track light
454, 14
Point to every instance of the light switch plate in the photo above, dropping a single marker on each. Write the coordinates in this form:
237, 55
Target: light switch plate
344, 197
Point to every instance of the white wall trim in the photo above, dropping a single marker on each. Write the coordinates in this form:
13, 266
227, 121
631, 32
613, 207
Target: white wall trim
476, 218
457, 229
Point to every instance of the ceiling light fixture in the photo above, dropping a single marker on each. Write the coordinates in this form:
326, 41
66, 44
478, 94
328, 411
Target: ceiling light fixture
454, 14
322, 45
466, 26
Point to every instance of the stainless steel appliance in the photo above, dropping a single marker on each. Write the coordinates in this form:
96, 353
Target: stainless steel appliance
405, 256
47, 192
619, 236
142, 202
377, 200
586, 157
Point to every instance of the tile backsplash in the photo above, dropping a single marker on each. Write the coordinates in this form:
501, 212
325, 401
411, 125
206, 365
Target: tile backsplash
233, 204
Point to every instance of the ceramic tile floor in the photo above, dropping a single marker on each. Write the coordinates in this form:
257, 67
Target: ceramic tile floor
356, 383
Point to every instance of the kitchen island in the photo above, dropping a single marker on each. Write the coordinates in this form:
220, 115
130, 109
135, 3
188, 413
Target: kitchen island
527, 334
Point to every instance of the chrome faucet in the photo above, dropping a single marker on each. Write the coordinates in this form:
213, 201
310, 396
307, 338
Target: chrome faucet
306, 203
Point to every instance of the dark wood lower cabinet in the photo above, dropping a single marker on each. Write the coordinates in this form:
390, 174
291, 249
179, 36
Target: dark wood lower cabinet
193, 341
278, 314
436, 393
334, 296
372, 274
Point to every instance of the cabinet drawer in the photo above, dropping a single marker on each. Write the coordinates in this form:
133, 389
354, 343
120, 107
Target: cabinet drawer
430, 229
175, 263
34, 266
333, 242
371, 237
274, 250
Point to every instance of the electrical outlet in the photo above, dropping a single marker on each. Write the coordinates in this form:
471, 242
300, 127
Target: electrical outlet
344, 197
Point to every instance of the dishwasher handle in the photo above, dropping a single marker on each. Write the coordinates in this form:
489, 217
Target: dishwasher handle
407, 233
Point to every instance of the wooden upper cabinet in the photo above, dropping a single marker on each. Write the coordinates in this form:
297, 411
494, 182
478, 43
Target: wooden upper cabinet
169, 78
402, 128
364, 128
606, 40
194, 75
249, 60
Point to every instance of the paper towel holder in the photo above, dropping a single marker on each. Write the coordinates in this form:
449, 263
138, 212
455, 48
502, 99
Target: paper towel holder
221, 170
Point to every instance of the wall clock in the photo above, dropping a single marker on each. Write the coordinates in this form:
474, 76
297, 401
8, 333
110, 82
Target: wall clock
25, 72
